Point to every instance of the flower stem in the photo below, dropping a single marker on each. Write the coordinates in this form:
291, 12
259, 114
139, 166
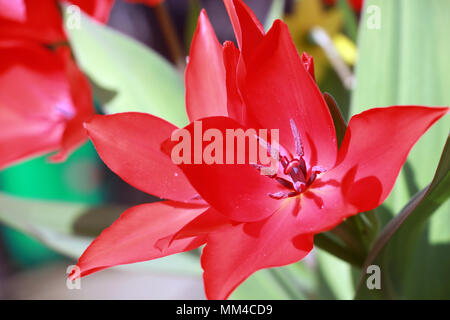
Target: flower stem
327, 243
170, 35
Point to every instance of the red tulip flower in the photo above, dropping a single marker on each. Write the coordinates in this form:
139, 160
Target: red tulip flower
41, 20
45, 97
248, 221
44, 101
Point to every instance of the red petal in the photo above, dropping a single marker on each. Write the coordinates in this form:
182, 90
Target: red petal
375, 147
207, 222
73, 137
132, 238
233, 254
13, 10
278, 88
356, 4
98, 9
43, 23
75, 134
308, 63
23, 138
247, 28
32, 120
129, 144
205, 74
235, 105
238, 191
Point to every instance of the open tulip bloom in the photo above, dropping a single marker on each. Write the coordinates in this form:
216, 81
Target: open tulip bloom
247, 220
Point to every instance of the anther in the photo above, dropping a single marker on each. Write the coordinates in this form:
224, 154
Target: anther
282, 195
285, 183
261, 167
314, 172
279, 195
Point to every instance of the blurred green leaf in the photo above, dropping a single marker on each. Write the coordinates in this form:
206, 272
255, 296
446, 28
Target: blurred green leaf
276, 11
142, 80
295, 281
27, 214
260, 286
68, 228
350, 20
403, 60
193, 13
335, 277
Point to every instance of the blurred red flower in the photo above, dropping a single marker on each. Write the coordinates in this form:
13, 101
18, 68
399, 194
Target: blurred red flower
44, 98
248, 221
41, 20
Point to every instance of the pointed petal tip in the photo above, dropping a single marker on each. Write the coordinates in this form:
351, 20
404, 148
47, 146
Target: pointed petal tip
203, 20
228, 43
58, 158
203, 15
89, 125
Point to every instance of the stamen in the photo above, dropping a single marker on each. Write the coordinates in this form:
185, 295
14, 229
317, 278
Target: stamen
279, 195
260, 167
284, 162
298, 141
314, 172
294, 167
285, 183
318, 169
291, 165
295, 164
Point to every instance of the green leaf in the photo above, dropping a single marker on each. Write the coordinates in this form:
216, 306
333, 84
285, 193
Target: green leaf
295, 281
26, 214
276, 11
142, 80
260, 286
68, 228
350, 20
335, 277
405, 228
194, 8
404, 62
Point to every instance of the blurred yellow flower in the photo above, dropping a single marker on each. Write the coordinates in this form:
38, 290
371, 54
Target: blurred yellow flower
307, 15
346, 48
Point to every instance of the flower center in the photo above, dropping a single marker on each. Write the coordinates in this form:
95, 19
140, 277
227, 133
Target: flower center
301, 177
